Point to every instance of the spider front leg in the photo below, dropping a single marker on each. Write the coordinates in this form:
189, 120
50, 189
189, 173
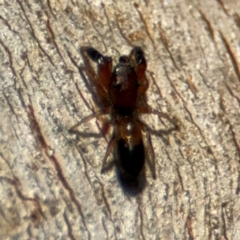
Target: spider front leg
104, 64
138, 60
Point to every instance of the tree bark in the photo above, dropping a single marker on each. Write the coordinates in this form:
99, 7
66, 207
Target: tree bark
51, 182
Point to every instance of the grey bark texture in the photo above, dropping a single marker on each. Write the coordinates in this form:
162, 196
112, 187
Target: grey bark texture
50, 181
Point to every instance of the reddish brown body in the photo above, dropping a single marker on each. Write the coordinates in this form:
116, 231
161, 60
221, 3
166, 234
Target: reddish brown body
123, 87
121, 93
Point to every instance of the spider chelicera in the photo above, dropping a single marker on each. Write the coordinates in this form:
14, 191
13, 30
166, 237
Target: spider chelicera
121, 93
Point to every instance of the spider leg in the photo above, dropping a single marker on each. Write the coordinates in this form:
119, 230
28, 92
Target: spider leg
148, 145
104, 64
88, 118
105, 128
110, 147
138, 60
147, 109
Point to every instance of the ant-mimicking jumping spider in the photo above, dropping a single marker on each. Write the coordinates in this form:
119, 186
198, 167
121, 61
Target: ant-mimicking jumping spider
121, 93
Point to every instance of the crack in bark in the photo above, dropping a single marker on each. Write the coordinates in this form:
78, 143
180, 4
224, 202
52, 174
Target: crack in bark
35, 127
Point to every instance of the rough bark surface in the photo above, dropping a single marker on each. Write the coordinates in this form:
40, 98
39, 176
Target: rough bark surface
51, 185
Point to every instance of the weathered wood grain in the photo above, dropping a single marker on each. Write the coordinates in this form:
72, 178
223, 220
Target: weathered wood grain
51, 185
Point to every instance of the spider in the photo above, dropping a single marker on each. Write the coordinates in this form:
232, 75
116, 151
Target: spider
121, 93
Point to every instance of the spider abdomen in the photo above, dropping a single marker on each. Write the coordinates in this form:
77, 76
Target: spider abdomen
130, 161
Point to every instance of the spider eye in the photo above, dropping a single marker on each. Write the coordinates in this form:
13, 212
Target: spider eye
124, 60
